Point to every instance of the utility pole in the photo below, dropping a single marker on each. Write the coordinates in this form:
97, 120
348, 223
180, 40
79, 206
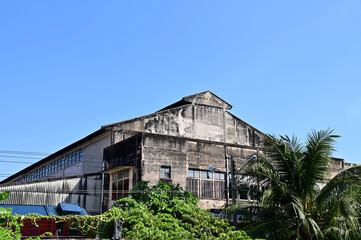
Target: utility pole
233, 182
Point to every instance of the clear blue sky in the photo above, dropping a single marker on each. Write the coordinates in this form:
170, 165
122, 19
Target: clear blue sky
68, 67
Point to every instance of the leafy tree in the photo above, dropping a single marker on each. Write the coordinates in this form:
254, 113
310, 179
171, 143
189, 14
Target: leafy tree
9, 227
167, 212
298, 202
4, 211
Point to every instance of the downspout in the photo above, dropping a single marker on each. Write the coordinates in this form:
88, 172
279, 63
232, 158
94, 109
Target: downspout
102, 190
102, 184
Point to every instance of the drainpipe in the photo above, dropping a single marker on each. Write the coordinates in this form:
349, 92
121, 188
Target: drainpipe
102, 190
233, 191
226, 182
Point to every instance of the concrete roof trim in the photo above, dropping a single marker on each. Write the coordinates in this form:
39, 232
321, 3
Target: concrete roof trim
191, 98
201, 140
142, 117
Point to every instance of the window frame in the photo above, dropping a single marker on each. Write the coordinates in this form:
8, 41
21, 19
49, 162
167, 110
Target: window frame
167, 174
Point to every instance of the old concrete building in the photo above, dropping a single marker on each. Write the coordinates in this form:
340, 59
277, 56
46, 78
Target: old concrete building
176, 144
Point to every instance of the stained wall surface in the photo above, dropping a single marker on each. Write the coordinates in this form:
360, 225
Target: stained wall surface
192, 121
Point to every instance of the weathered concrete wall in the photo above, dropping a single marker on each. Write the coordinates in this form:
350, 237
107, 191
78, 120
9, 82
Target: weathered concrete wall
202, 155
181, 154
337, 166
157, 152
93, 155
192, 121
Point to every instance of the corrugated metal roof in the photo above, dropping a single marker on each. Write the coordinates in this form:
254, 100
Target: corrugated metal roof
67, 207
26, 209
53, 210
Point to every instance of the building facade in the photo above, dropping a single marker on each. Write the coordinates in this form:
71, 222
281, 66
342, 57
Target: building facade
176, 144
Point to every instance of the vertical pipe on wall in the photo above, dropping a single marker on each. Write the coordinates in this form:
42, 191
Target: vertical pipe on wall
226, 182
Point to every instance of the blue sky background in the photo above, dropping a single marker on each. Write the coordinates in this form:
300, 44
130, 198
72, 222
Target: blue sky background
68, 67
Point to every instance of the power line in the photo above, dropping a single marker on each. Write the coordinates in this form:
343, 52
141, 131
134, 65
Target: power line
15, 162
7, 156
24, 153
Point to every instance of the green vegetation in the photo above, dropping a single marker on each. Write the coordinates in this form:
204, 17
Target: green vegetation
9, 225
159, 212
167, 212
9, 229
298, 202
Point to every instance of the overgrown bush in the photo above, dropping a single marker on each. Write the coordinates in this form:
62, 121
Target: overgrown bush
167, 212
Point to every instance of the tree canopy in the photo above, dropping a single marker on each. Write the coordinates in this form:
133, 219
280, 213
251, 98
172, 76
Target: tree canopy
299, 203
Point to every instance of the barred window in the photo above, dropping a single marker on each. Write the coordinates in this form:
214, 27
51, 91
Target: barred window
206, 184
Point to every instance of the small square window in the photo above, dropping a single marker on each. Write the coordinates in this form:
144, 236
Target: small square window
165, 172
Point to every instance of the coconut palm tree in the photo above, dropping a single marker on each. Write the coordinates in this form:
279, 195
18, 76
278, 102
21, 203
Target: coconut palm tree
299, 203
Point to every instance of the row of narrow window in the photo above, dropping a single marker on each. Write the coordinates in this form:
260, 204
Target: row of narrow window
63, 162
201, 183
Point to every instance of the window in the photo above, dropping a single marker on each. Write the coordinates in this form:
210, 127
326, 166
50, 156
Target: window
193, 173
206, 184
207, 174
72, 158
219, 176
120, 184
81, 154
54, 166
62, 163
66, 161
165, 172
77, 156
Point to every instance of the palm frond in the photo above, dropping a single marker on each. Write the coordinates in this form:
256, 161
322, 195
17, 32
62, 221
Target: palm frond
338, 185
316, 161
282, 156
266, 175
269, 228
